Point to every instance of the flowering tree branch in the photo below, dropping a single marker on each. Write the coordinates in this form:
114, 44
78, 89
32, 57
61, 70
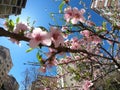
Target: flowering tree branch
6, 33
84, 50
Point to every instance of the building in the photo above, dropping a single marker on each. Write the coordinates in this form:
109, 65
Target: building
109, 9
66, 79
5, 64
10, 83
44, 82
11, 7
72, 76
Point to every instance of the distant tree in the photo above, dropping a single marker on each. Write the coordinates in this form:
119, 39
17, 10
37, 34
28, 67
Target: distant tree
27, 79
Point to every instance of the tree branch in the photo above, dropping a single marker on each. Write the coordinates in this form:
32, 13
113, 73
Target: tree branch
18, 37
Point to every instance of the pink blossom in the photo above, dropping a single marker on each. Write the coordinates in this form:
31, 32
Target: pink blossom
21, 27
86, 33
56, 36
82, 11
90, 37
87, 85
77, 57
99, 28
96, 39
43, 69
64, 28
74, 15
118, 25
52, 62
66, 60
75, 44
67, 43
90, 23
77, 16
74, 39
68, 13
51, 51
110, 42
39, 37
6, 24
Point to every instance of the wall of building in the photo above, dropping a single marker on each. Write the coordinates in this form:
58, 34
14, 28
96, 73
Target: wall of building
5, 63
44, 82
109, 9
10, 83
10, 7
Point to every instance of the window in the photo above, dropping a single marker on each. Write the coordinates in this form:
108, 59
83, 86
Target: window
6, 1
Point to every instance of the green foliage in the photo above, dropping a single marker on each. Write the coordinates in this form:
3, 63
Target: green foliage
104, 28
61, 6
29, 50
17, 20
10, 25
39, 57
43, 28
115, 26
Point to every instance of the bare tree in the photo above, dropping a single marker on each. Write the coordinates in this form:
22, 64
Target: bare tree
27, 79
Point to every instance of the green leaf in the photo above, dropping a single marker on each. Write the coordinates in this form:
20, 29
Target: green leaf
43, 28
61, 6
17, 20
100, 31
30, 49
103, 28
11, 23
104, 25
39, 57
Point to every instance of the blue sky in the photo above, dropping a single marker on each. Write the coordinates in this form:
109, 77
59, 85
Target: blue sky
38, 10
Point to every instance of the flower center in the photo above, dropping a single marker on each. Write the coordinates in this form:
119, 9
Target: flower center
70, 13
77, 15
38, 37
55, 36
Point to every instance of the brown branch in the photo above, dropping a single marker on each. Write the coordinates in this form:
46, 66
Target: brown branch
112, 58
18, 37
65, 49
104, 74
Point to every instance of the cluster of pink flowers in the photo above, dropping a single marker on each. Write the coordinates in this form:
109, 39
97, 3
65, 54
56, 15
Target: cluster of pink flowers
87, 85
21, 28
46, 38
90, 37
74, 15
39, 37
75, 43
56, 36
